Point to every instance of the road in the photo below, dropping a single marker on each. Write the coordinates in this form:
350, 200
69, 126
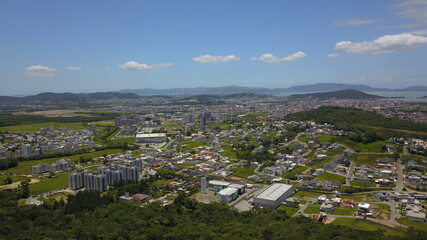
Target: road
350, 173
399, 170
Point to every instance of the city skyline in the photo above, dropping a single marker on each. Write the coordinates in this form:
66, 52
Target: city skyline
108, 46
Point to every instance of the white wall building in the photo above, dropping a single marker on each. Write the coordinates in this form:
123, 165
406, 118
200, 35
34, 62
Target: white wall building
151, 137
274, 195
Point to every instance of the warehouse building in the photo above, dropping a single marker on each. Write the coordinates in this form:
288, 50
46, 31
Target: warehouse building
217, 186
274, 195
228, 194
151, 138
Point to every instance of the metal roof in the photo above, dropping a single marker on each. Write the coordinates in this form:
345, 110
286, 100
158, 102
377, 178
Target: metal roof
227, 191
150, 135
274, 191
220, 183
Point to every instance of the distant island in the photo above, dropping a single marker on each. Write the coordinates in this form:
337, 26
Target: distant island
342, 94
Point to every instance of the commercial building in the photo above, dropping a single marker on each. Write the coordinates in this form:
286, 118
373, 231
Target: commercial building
217, 186
151, 138
274, 195
228, 194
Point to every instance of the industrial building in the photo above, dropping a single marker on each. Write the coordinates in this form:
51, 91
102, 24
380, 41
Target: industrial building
228, 194
274, 195
151, 138
217, 186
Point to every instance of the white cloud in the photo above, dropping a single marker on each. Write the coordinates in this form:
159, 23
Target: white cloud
40, 71
332, 55
354, 22
413, 10
271, 59
385, 44
134, 66
215, 59
74, 68
253, 58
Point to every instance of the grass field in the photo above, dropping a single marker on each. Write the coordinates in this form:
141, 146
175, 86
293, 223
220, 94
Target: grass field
319, 164
414, 224
323, 138
360, 198
364, 225
228, 153
46, 185
418, 159
193, 144
14, 179
36, 127
104, 123
368, 159
361, 147
312, 209
362, 184
303, 139
294, 171
385, 210
330, 177
125, 140
308, 194
290, 211
344, 211
244, 171
24, 168
336, 151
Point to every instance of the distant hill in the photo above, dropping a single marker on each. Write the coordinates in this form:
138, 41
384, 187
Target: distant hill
49, 97
318, 87
341, 94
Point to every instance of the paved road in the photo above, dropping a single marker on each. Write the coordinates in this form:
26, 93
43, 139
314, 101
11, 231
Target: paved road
350, 173
399, 183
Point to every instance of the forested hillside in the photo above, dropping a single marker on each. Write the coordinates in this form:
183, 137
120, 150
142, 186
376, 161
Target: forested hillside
89, 215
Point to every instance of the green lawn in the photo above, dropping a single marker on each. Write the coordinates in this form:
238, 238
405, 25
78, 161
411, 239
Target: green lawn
336, 151
36, 127
323, 138
46, 185
161, 183
368, 159
330, 177
361, 147
364, 225
303, 139
228, 153
290, 211
243, 172
104, 123
319, 164
193, 144
294, 171
24, 167
362, 184
312, 209
414, 224
418, 159
308, 194
125, 140
344, 211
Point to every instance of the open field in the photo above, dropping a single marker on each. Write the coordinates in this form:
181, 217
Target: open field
418, 159
360, 198
308, 194
312, 209
57, 113
364, 225
368, 159
320, 163
244, 171
323, 138
344, 211
46, 185
294, 171
14, 179
385, 210
330, 177
36, 127
24, 167
104, 123
290, 211
192, 144
414, 224
360, 147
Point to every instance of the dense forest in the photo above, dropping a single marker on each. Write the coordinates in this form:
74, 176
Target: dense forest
359, 121
90, 215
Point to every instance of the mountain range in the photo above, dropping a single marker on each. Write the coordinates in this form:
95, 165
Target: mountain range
318, 87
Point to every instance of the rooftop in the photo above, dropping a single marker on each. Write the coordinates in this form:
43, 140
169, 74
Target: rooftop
227, 191
274, 191
148, 135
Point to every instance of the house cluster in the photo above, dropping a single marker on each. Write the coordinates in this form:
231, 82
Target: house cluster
47, 140
412, 209
382, 173
417, 172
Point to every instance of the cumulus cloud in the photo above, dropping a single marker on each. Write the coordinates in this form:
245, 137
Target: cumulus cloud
271, 59
74, 68
215, 59
332, 55
134, 66
40, 71
385, 44
354, 22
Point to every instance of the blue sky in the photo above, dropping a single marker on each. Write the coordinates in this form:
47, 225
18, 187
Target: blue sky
87, 46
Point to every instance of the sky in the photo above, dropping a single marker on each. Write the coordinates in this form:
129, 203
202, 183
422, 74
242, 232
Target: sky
92, 46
